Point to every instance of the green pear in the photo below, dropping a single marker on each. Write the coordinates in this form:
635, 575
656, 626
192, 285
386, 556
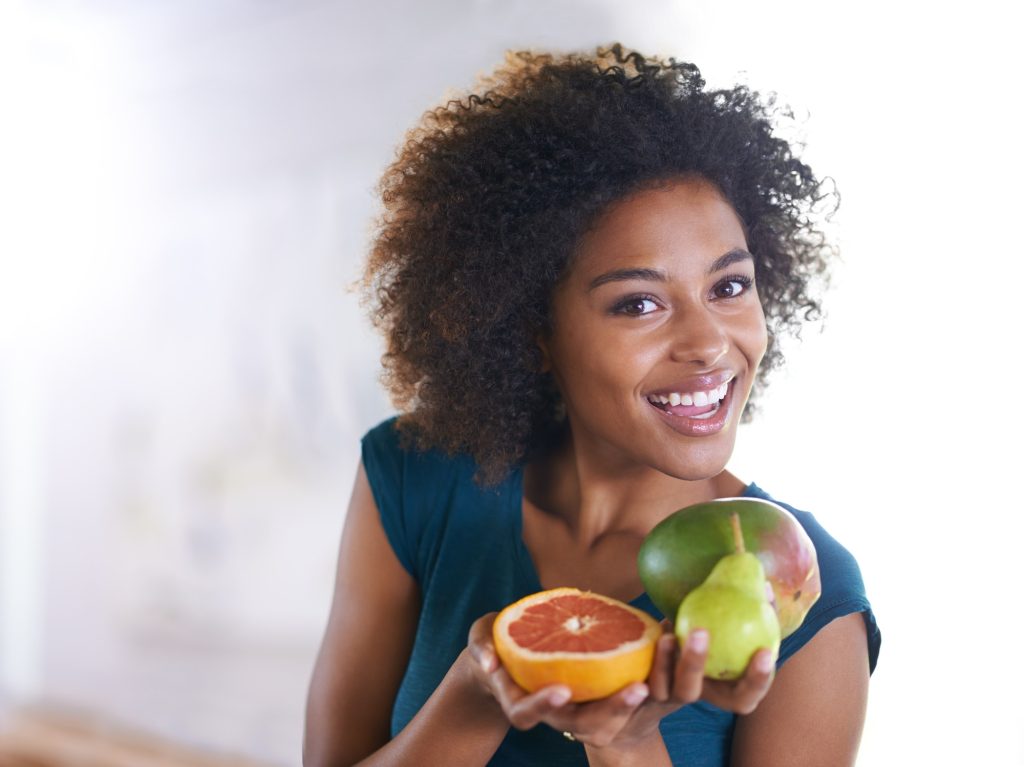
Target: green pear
732, 605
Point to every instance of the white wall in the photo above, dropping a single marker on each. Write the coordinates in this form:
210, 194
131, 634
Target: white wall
185, 377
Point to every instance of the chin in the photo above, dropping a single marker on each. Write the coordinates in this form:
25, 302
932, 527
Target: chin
693, 473
697, 463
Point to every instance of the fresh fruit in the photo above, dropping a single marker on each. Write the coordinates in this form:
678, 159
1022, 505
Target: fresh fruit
594, 644
680, 552
732, 605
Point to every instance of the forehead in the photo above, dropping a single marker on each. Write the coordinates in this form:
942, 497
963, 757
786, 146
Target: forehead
689, 221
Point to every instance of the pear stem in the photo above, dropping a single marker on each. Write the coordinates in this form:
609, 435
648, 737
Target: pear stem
737, 533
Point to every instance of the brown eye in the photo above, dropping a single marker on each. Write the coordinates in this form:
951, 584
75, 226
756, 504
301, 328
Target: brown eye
732, 287
637, 306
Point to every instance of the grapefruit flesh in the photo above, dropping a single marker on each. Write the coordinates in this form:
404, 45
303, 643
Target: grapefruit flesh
591, 643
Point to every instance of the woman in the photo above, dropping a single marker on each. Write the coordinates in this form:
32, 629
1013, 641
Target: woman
560, 257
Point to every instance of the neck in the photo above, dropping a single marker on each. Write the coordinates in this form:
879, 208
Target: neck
596, 494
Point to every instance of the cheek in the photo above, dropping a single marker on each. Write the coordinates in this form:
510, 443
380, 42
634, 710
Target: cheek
752, 335
593, 364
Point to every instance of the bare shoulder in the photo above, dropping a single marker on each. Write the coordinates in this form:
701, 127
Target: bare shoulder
366, 644
816, 704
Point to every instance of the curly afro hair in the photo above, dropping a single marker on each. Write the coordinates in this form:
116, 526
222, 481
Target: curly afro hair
491, 193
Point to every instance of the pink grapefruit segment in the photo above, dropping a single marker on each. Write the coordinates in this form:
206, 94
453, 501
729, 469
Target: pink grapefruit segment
594, 644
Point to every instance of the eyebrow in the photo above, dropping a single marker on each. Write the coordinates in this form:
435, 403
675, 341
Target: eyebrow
657, 275
734, 256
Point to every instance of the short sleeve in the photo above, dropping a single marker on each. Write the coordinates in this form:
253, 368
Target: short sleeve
842, 589
384, 462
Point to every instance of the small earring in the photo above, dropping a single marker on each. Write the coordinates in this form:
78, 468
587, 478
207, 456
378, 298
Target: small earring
560, 411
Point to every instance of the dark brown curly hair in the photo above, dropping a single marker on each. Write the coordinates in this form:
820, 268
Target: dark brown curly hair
490, 195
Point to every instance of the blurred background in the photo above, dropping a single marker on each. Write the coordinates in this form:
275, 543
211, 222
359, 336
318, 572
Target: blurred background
186, 194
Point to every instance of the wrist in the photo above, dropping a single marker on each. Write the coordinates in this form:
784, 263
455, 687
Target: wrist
648, 752
475, 694
459, 724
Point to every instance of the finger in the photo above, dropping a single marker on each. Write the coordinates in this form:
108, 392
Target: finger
481, 643
527, 711
754, 684
521, 707
600, 721
660, 679
688, 681
743, 695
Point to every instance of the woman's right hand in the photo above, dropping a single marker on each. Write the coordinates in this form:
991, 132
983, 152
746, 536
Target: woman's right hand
522, 709
629, 716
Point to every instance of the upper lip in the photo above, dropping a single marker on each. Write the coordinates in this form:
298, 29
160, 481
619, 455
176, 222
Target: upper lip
695, 383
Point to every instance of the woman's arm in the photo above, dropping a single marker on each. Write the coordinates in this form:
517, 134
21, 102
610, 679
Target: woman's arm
363, 657
366, 644
814, 712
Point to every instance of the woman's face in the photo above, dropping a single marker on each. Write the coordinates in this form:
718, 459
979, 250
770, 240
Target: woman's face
658, 332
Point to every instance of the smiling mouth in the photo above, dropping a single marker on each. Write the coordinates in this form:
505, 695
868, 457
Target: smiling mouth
699, 405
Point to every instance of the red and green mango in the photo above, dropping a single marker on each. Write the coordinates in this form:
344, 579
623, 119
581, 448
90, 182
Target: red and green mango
679, 553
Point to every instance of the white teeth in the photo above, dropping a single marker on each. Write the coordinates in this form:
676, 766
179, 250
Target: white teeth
689, 399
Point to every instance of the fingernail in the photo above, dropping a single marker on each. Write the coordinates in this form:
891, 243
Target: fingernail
559, 697
636, 695
764, 662
699, 641
487, 662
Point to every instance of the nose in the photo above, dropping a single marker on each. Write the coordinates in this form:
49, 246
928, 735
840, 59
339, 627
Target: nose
699, 338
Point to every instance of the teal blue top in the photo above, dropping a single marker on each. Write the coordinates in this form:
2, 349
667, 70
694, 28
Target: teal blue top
464, 546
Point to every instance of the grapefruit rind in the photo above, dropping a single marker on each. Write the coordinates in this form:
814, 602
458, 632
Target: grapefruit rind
589, 675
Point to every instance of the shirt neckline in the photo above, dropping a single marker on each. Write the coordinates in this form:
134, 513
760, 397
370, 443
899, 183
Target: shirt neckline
524, 560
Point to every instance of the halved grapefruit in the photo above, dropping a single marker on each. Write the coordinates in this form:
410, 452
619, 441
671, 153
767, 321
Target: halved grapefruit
594, 644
